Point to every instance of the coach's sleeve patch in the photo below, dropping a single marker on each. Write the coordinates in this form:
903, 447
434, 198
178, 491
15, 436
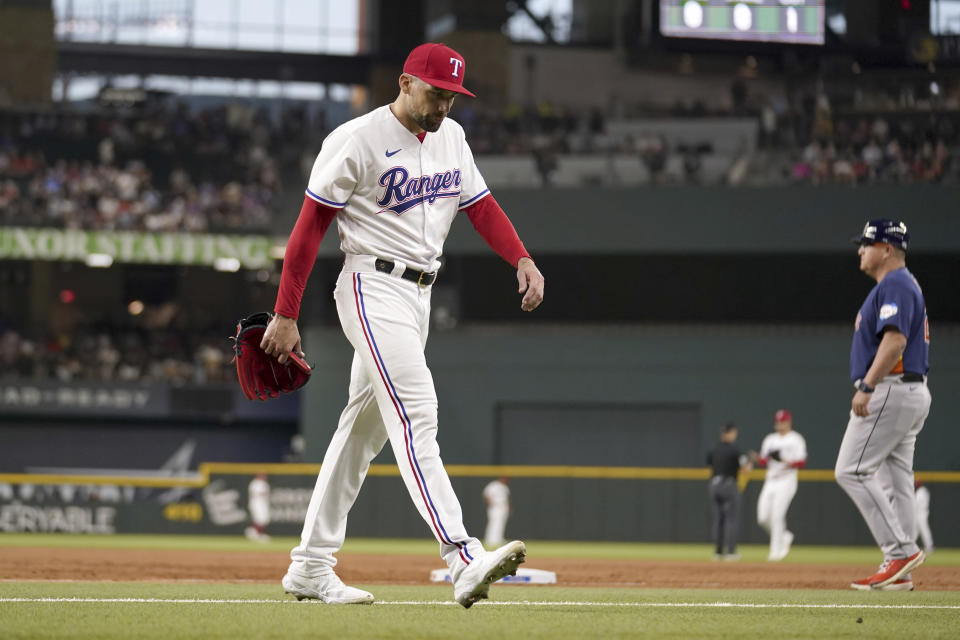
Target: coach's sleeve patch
888, 310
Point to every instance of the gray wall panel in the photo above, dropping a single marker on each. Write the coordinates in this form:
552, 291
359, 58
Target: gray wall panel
711, 219
598, 434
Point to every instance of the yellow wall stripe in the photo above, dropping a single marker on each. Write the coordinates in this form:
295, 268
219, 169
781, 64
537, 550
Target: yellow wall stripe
201, 478
192, 480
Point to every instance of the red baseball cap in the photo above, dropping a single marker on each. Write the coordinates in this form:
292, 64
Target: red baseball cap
783, 415
437, 65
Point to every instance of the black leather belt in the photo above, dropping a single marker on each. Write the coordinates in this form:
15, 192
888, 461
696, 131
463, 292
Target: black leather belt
912, 377
420, 277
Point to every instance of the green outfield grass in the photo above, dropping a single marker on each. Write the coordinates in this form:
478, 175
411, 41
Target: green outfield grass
425, 546
132, 610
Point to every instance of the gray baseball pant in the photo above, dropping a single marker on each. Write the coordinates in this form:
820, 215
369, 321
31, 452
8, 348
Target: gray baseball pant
886, 437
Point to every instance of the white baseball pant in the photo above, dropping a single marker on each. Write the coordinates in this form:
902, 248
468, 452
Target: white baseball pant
772, 505
391, 397
496, 525
260, 512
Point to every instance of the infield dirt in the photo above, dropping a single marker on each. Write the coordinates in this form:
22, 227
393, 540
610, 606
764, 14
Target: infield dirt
123, 565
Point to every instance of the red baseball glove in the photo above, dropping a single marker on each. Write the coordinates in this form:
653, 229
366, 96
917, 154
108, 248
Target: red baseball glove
261, 376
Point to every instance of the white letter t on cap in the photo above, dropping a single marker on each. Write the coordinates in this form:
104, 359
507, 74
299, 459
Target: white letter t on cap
456, 66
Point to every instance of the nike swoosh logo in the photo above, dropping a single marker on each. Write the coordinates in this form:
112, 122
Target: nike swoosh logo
913, 388
390, 153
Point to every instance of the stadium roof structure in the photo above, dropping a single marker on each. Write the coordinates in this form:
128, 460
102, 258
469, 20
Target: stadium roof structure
119, 59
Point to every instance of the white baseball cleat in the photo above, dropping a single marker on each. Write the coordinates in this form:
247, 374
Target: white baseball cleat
787, 542
256, 536
784, 548
474, 581
329, 589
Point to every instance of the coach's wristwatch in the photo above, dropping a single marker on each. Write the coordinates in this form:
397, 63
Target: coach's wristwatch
860, 385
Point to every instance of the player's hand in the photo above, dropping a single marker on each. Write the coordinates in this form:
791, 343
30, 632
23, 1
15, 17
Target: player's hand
281, 337
859, 404
531, 284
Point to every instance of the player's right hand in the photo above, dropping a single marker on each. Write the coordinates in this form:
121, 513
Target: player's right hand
531, 284
281, 337
859, 404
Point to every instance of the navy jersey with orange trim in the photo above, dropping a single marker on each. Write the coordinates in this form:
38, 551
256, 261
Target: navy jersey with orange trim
896, 301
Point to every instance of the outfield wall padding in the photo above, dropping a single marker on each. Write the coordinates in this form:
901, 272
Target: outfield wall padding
555, 508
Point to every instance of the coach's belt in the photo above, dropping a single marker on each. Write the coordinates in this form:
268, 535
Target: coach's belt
912, 377
420, 277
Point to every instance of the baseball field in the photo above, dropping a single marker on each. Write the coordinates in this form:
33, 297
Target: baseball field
55, 586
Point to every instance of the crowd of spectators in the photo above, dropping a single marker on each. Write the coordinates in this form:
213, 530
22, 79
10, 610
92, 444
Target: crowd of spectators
858, 149
166, 169
858, 143
171, 168
105, 353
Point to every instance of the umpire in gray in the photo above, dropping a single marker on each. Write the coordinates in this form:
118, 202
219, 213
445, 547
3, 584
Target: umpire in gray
727, 460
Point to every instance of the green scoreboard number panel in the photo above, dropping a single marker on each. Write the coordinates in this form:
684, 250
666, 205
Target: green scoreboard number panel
789, 21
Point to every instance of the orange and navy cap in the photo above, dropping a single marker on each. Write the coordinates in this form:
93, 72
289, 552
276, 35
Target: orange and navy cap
783, 415
438, 65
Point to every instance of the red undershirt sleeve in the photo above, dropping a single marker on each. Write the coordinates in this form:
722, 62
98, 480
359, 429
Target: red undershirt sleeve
492, 224
300, 255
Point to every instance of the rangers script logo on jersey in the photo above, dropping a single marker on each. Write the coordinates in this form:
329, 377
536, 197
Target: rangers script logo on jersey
405, 193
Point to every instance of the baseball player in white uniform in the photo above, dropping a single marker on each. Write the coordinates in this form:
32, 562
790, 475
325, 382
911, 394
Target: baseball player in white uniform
258, 503
889, 361
782, 453
394, 179
922, 510
496, 495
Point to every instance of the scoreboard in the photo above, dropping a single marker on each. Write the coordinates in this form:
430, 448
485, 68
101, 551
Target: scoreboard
788, 21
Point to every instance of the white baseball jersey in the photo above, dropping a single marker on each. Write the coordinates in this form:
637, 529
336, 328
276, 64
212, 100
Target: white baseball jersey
397, 196
497, 494
792, 448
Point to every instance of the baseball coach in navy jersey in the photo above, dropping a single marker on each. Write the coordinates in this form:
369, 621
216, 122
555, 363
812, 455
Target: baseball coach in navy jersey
889, 361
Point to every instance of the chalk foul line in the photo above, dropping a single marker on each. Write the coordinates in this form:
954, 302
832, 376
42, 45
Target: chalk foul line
511, 603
